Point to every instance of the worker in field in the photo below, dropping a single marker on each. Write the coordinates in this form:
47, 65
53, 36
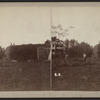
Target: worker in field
84, 56
66, 57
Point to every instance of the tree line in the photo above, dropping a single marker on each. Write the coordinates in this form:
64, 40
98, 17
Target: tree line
29, 51
76, 49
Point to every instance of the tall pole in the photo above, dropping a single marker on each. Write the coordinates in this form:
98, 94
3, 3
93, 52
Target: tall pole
51, 51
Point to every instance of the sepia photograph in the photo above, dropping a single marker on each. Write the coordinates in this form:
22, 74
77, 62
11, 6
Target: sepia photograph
24, 48
49, 49
76, 48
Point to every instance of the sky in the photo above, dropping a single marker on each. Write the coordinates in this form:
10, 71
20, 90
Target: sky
24, 25
85, 22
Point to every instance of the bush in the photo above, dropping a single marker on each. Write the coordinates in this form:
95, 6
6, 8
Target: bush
98, 53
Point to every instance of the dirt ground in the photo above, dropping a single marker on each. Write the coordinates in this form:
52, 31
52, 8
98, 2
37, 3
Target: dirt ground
25, 76
77, 78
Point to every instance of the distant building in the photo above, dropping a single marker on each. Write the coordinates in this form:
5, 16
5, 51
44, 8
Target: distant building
40, 52
58, 47
43, 53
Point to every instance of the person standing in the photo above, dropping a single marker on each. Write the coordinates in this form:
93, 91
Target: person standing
66, 57
84, 56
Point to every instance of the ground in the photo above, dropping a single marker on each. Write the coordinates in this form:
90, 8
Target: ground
35, 76
80, 77
24, 76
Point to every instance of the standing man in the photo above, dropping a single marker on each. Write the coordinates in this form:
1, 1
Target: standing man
84, 56
66, 57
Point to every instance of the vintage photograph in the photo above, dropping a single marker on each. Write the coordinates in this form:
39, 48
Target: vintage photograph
25, 36
49, 47
76, 48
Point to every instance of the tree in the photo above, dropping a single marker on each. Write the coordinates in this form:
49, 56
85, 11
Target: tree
54, 38
67, 42
1, 52
86, 48
74, 49
97, 51
58, 31
73, 43
78, 49
47, 42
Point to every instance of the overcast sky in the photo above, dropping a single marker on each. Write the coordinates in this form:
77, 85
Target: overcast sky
23, 25
86, 22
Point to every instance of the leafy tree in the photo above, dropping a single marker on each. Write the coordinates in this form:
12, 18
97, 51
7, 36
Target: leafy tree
75, 51
73, 43
86, 48
1, 52
79, 49
54, 38
98, 51
67, 42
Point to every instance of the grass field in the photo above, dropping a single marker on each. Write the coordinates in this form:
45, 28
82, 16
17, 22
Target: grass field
24, 76
35, 76
85, 77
